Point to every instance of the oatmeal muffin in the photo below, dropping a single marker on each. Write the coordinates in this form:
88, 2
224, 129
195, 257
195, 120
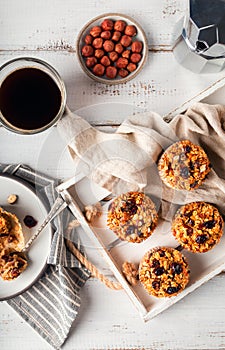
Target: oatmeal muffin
132, 217
198, 226
11, 235
163, 272
184, 166
11, 264
5, 224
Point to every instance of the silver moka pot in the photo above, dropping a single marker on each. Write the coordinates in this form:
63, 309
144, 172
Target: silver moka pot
200, 37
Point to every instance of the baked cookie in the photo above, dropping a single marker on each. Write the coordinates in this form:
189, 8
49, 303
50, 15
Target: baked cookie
198, 226
11, 234
184, 166
163, 272
132, 216
11, 264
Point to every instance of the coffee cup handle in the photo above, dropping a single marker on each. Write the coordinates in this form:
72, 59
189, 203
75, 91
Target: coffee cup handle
66, 113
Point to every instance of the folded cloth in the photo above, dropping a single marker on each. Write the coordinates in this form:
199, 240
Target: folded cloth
119, 160
51, 305
127, 159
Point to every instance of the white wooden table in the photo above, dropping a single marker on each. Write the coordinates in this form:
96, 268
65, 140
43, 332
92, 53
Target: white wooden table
48, 30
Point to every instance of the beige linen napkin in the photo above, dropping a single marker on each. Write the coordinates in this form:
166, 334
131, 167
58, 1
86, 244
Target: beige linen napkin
127, 159
117, 161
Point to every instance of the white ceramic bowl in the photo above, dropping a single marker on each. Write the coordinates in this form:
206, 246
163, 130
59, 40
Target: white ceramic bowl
96, 22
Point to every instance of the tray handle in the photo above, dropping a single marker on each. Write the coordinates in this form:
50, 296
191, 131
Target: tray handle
84, 261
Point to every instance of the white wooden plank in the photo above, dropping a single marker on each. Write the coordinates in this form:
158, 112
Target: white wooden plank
161, 86
54, 24
108, 321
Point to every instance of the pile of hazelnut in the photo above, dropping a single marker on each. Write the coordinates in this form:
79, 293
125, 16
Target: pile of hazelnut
110, 49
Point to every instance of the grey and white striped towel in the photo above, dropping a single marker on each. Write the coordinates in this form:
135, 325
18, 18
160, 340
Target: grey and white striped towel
51, 305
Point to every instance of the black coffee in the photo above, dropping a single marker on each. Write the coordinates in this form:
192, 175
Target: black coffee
29, 98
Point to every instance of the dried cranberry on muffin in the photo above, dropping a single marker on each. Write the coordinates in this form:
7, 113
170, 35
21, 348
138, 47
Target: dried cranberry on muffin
198, 226
163, 272
184, 166
132, 216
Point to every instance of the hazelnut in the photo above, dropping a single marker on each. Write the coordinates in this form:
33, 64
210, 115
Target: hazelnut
95, 31
126, 54
87, 50
135, 57
105, 61
119, 25
119, 48
107, 24
111, 72
136, 46
88, 39
91, 61
12, 198
126, 40
99, 70
97, 43
130, 30
92, 211
99, 53
116, 36
122, 62
106, 34
123, 73
113, 56
108, 45
131, 67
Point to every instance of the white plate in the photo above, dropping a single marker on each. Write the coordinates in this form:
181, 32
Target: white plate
28, 204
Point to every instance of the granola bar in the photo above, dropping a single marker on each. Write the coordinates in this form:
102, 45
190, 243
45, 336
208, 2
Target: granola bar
164, 272
132, 216
198, 226
184, 166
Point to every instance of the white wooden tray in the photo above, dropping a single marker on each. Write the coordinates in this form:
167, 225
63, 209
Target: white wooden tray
213, 94
79, 191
